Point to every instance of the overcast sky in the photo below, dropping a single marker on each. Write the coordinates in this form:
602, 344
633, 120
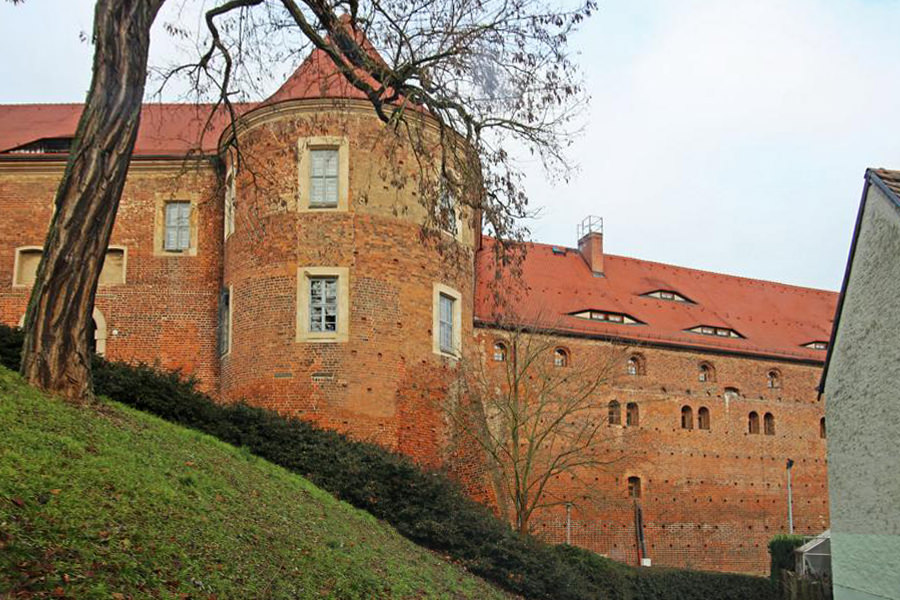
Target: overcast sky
729, 135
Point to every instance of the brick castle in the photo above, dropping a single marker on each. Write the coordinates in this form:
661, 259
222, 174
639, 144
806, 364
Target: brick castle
302, 282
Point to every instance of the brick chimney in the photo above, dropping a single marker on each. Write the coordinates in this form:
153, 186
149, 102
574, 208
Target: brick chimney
590, 243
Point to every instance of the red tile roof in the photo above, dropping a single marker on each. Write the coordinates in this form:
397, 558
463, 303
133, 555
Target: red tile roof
166, 129
774, 319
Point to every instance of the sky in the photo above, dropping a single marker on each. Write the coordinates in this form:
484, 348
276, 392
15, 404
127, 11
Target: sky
727, 135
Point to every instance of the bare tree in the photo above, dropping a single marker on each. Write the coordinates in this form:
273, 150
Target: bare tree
494, 74
537, 414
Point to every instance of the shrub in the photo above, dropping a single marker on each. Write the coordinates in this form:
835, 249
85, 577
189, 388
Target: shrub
11, 339
426, 507
781, 550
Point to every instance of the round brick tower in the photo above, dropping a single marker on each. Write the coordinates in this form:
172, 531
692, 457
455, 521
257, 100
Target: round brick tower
336, 308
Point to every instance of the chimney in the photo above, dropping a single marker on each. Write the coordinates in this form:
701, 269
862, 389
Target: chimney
590, 243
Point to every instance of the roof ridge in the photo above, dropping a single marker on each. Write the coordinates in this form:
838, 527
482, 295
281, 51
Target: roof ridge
693, 269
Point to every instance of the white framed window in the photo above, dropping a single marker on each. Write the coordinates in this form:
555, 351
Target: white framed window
323, 304
26, 264
230, 197
323, 178
324, 173
178, 226
447, 321
225, 312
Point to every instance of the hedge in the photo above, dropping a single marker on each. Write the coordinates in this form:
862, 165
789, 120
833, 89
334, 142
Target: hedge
425, 506
781, 549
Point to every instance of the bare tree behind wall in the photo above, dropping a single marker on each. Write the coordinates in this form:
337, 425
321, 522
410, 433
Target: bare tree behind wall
495, 75
539, 413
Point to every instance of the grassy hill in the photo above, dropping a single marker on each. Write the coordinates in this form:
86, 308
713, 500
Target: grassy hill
120, 504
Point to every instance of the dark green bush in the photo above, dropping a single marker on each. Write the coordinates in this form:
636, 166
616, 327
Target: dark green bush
781, 550
426, 507
11, 340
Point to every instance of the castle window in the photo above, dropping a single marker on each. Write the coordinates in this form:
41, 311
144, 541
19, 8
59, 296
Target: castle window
667, 295
445, 211
230, 197
706, 373
500, 352
769, 424
560, 357
732, 393
225, 321
324, 168
703, 418
178, 226
323, 178
753, 423
773, 379
26, 265
113, 271
822, 428
632, 414
607, 316
446, 321
635, 365
634, 487
687, 417
323, 304
614, 413
715, 331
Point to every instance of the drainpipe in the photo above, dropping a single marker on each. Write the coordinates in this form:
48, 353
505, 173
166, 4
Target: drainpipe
790, 464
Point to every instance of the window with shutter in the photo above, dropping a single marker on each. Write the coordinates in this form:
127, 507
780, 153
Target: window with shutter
323, 177
178, 226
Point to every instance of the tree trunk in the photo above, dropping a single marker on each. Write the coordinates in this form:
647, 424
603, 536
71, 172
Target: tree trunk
56, 354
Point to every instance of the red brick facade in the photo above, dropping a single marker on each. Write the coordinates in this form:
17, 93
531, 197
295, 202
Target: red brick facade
711, 498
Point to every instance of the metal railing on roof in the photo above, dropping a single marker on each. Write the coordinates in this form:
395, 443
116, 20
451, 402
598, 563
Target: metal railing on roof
590, 224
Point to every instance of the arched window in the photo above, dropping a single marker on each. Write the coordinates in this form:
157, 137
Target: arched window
753, 423
635, 365
96, 332
500, 352
822, 428
561, 357
615, 413
632, 414
769, 424
687, 417
732, 393
773, 378
703, 418
706, 373
634, 487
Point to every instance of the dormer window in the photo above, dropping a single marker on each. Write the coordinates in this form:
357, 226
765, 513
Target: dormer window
817, 345
60, 145
607, 316
667, 295
716, 331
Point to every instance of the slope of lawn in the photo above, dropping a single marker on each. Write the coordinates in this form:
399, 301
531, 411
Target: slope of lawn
120, 504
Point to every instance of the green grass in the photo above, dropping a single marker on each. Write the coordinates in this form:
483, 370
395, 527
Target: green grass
119, 504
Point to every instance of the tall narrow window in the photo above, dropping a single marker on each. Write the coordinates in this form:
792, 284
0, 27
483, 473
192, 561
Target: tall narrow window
560, 357
446, 323
178, 226
445, 210
632, 414
687, 417
323, 304
224, 321
614, 413
703, 418
773, 378
323, 177
753, 423
822, 428
769, 424
634, 487
230, 195
500, 352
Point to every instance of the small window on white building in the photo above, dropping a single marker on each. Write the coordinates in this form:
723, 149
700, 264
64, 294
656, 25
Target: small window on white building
178, 226
323, 177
